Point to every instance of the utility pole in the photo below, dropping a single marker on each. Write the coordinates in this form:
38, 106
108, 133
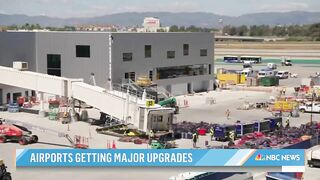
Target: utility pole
110, 62
311, 115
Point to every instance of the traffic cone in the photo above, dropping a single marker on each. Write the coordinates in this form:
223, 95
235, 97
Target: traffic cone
114, 145
108, 144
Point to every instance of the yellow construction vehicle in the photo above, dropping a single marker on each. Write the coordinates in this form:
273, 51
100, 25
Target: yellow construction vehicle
4, 175
143, 81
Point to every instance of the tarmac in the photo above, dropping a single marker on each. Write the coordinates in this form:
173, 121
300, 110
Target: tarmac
196, 111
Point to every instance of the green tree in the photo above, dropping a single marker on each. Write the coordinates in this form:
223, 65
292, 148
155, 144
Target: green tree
279, 31
233, 31
13, 27
314, 31
226, 29
182, 29
242, 30
253, 30
174, 28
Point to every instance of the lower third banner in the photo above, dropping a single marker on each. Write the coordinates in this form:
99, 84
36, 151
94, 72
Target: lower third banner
150, 157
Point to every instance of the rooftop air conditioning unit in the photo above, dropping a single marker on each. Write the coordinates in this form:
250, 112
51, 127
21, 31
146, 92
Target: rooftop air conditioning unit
19, 65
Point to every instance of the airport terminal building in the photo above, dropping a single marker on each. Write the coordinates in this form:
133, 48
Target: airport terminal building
179, 62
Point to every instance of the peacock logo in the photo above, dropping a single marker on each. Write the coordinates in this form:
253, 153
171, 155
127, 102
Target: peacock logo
259, 157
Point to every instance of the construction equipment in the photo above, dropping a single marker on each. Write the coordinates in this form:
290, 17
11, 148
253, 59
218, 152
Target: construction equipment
4, 175
171, 102
13, 132
156, 144
78, 142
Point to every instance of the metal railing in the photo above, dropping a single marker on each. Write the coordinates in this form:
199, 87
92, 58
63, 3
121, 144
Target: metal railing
132, 91
162, 90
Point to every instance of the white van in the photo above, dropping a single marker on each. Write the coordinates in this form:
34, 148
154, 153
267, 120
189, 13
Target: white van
265, 73
283, 74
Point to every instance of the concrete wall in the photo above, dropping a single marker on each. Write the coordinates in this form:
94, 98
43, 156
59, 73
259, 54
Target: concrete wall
17, 46
178, 89
64, 43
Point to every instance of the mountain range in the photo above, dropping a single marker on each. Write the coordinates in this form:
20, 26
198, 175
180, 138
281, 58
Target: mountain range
200, 19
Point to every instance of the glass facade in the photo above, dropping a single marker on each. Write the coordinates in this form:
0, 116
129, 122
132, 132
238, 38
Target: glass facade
182, 71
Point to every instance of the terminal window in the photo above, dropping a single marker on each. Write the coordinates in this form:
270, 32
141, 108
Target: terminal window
127, 56
83, 51
182, 71
147, 51
54, 64
185, 49
171, 54
203, 52
130, 75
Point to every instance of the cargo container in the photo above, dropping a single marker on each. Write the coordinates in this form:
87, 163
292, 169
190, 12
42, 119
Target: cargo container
221, 132
231, 78
242, 129
262, 126
275, 122
252, 81
269, 81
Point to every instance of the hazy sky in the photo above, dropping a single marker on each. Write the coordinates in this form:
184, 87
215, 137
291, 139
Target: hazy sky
85, 8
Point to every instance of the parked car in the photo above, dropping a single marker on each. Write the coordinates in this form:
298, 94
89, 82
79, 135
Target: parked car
271, 66
247, 64
286, 62
310, 107
283, 74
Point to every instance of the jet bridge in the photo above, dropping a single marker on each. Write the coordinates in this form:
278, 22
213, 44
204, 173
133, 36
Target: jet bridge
121, 105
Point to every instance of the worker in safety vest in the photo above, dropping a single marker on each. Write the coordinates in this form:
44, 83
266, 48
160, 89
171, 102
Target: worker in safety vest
231, 135
151, 136
125, 133
288, 122
194, 139
227, 113
211, 130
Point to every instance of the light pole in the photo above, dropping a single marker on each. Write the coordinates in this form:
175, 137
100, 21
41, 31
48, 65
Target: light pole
311, 115
110, 62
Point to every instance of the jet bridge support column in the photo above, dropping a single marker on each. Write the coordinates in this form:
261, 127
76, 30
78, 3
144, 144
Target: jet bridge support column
127, 106
42, 113
72, 111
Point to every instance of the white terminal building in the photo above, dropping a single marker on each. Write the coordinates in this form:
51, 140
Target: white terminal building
180, 63
152, 24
